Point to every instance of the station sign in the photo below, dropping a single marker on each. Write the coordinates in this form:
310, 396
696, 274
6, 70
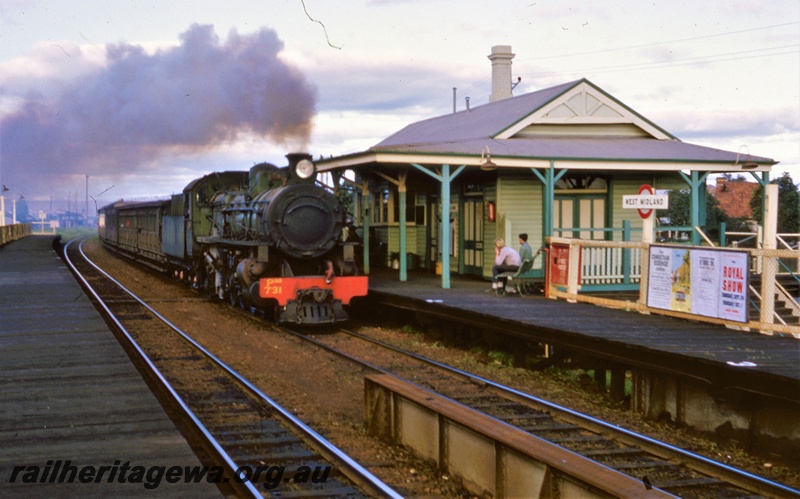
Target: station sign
646, 201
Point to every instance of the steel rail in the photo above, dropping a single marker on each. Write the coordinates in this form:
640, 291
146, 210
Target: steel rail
703, 464
352, 469
204, 434
700, 463
736, 476
369, 365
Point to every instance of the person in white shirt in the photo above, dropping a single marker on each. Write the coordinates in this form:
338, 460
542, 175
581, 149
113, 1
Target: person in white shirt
506, 260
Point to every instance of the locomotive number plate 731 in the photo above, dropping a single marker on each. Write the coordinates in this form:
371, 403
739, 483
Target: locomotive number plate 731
284, 289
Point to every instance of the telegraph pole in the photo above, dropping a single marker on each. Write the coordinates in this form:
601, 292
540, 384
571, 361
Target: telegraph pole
2, 201
86, 217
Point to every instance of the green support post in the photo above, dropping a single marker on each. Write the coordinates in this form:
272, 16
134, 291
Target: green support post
445, 226
695, 210
626, 252
695, 183
550, 200
402, 211
549, 180
445, 178
547, 209
365, 214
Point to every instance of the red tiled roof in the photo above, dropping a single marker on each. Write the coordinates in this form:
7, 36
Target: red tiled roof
734, 197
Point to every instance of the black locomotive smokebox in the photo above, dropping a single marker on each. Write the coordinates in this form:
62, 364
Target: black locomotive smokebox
303, 220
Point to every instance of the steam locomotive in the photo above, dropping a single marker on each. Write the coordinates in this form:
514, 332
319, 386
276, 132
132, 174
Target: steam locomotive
270, 239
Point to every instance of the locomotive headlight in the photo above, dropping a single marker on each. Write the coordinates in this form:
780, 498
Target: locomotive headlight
305, 168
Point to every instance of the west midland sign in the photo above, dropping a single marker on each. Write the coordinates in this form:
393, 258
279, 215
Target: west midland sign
646, 201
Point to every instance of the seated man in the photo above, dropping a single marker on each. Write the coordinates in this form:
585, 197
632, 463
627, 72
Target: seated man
525, 251
506, 260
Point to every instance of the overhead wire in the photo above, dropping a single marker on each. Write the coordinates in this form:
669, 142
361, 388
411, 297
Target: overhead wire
653, 44
707, 59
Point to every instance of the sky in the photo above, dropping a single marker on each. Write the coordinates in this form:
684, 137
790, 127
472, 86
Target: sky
144, 96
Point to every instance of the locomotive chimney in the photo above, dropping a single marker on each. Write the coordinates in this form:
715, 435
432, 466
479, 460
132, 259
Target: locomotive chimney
501, 72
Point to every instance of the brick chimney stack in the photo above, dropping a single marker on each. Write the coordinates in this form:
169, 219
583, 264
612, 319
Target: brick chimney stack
501, 72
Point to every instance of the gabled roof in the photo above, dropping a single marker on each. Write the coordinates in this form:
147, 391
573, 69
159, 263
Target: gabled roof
501, 119
479, 122
734, 197
576, 123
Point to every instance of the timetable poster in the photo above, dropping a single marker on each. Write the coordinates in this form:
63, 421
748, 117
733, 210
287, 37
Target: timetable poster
705, 282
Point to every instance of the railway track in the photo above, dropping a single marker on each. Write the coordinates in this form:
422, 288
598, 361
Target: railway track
674, 470
656, 464
259, 448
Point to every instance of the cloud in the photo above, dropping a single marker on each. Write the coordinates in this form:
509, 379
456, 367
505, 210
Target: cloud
353, 83
736, 123
116, 118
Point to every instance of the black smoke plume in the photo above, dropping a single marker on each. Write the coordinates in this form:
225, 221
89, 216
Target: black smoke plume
141, 106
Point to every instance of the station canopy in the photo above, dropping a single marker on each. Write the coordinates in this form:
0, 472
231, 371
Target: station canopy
574, 125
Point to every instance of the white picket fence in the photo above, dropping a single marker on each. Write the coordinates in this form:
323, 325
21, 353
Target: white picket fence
606, 265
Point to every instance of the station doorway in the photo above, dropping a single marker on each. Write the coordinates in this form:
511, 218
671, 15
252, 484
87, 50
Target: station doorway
472, 228
574, 216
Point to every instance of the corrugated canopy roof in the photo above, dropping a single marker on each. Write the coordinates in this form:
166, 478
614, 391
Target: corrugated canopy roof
579, 148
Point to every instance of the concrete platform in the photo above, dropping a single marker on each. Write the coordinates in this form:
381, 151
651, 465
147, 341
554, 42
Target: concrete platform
737, 385
71, 399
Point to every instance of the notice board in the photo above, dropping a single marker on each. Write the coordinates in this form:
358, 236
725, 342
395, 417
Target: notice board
702, 281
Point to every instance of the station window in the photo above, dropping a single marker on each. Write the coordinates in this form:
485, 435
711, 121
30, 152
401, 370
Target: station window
380, 207
386, 210
582, 181
414, 213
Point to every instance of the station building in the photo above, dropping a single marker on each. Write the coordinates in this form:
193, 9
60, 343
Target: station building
554, 162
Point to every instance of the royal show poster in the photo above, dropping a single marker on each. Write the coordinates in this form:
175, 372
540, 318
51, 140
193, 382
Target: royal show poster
708, 282
734, 286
